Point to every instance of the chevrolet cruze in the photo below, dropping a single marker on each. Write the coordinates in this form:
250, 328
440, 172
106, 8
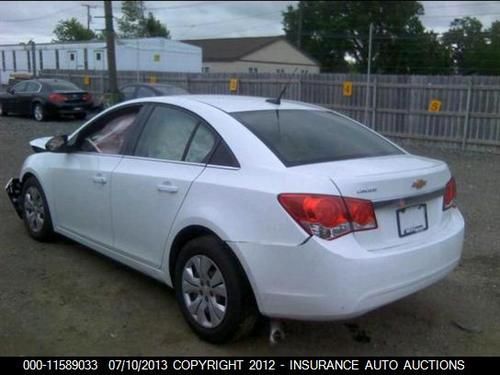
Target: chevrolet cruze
247, 206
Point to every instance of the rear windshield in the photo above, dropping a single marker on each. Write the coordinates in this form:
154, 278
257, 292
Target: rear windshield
63, 86
307, 136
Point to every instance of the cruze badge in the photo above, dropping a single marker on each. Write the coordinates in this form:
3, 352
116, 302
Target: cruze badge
419, 184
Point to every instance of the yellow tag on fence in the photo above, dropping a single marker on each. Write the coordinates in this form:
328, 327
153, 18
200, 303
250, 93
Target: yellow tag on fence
156, 57
86, 80
152, 79
233, 84
435, 105
347, 88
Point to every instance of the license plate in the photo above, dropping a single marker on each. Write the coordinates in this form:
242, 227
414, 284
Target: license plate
77, 108
412, 219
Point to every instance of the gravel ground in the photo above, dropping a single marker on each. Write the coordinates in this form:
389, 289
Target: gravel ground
64, 299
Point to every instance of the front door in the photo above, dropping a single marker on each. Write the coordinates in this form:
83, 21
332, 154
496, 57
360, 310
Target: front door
83, 180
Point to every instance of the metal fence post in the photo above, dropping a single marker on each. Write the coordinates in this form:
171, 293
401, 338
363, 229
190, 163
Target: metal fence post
374, 104
467, 115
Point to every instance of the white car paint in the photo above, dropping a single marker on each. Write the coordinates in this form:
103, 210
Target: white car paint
136, 215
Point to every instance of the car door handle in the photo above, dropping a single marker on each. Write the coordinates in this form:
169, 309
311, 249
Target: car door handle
99, 179
167, 187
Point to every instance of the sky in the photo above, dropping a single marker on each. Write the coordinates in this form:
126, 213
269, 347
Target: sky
21, 21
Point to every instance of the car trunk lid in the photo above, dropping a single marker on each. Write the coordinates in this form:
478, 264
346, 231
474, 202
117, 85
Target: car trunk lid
406, 191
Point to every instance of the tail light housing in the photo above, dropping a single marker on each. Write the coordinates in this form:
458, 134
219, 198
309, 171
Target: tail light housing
57, 98
329, 216
87, 97
450, 194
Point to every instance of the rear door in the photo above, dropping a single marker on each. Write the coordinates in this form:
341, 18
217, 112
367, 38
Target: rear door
150, 184
82, 180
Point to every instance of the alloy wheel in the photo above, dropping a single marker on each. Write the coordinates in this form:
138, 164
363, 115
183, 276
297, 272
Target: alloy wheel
38, 112
34, 209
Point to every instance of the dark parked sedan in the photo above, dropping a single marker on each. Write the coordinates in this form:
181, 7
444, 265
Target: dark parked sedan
143, 90
42, 98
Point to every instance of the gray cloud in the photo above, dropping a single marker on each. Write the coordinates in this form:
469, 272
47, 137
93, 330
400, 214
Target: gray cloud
21, 21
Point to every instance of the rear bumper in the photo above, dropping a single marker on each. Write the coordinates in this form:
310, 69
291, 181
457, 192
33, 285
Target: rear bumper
69, 108
330, 280
13, 189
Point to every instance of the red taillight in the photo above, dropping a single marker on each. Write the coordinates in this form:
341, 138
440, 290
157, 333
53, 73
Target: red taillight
57, 98
87, 97
450, 194
328, 216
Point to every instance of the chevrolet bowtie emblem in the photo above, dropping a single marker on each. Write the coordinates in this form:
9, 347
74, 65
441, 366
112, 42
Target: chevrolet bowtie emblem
419, 184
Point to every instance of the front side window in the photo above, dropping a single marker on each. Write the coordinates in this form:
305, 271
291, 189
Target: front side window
309, 136
20, 87
111, 132
166, 134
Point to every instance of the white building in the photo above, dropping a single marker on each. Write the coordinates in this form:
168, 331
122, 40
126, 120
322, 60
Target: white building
151, 54
268, 54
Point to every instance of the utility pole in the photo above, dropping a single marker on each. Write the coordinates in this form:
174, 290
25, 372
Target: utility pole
33, 56
110, 47
299, 28
89, 17
368, 73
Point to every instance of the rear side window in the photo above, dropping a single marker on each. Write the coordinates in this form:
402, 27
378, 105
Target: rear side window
145, 92
166, 134
307, 136
128, 92
202, 143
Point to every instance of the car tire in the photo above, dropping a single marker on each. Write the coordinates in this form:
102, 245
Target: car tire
39, 112
3, 112
36, 214
80, 116
218, 303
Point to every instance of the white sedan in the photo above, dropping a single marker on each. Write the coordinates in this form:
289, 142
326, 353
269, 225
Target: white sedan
246, 206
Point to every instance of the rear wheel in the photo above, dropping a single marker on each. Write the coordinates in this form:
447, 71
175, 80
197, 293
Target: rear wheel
39, 112
212, 291
36, 213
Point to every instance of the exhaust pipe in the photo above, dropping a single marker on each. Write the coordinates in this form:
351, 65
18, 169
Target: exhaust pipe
277, 333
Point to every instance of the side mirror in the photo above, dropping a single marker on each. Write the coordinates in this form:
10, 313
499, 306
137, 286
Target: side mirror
57, 143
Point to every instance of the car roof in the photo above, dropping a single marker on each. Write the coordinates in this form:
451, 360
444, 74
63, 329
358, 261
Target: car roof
234, 103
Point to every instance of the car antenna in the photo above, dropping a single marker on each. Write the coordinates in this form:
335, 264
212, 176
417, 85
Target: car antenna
278, 99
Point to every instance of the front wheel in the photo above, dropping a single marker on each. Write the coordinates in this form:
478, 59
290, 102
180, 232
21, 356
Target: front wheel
36, 213
39, 112
212, 291
3, 112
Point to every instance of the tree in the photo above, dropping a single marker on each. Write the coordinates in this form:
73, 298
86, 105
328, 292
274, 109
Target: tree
153, 27
332, 30
133, 23
72, 30
466, 39
492, 57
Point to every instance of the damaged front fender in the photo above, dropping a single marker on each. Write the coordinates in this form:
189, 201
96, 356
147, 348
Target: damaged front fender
13, 189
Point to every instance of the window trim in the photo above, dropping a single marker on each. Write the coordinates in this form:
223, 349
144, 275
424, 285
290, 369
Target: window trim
131, 150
